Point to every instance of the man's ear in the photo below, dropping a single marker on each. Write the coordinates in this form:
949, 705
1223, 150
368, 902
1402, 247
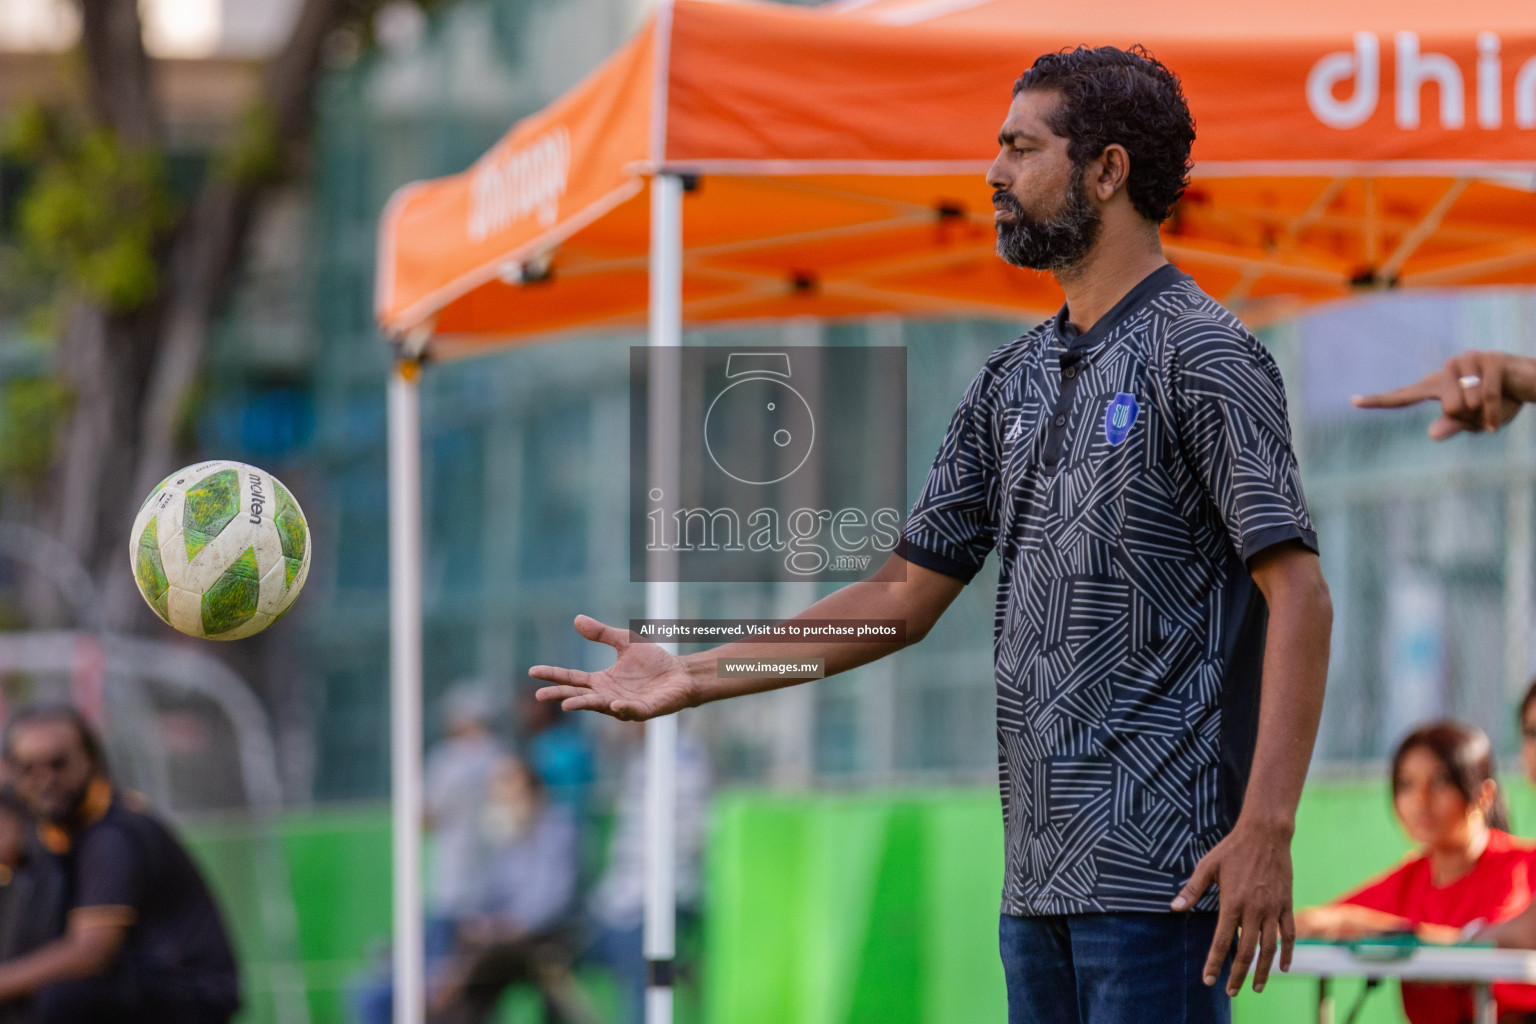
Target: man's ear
1114, 170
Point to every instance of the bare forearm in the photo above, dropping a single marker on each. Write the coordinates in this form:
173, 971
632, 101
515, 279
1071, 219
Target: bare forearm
1519, 932
913, 596
1291, 699
1345, 920
646, 680
78, 954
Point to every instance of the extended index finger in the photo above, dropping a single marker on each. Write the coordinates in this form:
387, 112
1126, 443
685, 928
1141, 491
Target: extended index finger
1250, 930
560, 676
1410, 394
1221, 942
1268, 944
1287, 937
1421, 390
561, 693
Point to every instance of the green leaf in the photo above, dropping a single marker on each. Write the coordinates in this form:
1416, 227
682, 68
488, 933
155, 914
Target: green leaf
94, 211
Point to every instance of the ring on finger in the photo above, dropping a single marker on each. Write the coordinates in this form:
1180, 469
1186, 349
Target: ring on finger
1471, 380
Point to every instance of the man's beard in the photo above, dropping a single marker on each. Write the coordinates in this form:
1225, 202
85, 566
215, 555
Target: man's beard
1054, 244
65, 808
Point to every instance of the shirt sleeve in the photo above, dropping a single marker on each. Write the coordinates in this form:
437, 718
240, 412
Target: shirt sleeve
1230, 406
953, 524
109, 876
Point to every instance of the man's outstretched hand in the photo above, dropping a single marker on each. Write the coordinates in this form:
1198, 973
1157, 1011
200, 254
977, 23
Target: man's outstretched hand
644, 682
1477, 391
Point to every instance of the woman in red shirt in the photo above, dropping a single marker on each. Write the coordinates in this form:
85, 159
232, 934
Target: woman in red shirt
1468, 871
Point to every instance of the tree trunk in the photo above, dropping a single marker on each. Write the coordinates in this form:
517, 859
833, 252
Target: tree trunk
121, 89
105, 358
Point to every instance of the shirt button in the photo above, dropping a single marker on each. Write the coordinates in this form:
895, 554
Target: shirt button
1061, 421
1071, 372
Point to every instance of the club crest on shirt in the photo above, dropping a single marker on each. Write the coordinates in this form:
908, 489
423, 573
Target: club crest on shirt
1119, 417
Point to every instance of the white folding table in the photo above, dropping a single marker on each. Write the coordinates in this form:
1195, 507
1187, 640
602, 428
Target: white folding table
1477, 966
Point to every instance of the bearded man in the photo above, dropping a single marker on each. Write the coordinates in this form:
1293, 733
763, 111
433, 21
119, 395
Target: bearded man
144, 941
1162, 623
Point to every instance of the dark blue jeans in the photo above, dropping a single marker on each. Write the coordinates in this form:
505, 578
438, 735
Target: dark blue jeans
1112, 969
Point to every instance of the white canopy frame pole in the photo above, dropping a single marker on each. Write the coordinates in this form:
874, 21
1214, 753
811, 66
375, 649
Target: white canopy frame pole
405, 687
661, 591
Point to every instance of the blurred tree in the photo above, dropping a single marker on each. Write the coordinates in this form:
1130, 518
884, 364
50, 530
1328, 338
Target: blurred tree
137, 277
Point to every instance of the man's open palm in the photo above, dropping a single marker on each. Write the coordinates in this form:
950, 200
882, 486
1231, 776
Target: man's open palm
644, 682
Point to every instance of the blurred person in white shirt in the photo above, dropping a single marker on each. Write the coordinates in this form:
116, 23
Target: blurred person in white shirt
617, 903
519, 926
457, 776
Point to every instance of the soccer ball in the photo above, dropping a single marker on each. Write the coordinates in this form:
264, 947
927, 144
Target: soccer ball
220, 550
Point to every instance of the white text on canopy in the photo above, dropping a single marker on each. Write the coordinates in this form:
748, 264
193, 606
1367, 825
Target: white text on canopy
528, 181
1413, 69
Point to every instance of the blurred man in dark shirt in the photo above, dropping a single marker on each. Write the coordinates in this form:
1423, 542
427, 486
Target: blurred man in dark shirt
31, 893
143, 941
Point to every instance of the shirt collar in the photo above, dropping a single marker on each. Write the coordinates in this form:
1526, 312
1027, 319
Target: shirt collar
1068, 337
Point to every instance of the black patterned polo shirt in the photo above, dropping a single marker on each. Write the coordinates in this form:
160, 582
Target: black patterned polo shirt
1125, 477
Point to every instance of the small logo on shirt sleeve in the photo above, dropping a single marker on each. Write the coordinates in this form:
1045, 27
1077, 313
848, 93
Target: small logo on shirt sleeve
1120, 417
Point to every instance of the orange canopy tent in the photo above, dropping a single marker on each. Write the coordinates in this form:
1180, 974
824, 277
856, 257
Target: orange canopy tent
840, 153
829, 162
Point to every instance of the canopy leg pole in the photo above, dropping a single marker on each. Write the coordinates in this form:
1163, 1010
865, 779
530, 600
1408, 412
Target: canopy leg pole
661, 595
405, 687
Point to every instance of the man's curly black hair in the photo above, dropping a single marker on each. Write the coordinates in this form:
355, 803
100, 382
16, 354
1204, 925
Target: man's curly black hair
1110, 95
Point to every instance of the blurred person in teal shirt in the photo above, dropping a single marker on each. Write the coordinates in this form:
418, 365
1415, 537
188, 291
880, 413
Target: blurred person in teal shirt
558, 750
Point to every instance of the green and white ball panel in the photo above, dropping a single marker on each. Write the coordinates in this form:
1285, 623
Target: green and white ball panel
220, 550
